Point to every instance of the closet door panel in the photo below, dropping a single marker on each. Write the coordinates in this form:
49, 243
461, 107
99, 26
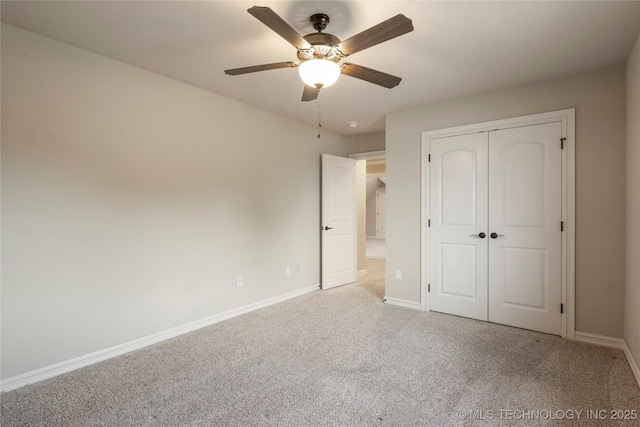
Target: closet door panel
525, 212
458, 213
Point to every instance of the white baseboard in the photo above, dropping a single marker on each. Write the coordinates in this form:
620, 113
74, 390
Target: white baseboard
51, 371
599, 340
403, 303
632, 362
618, 343
362, 272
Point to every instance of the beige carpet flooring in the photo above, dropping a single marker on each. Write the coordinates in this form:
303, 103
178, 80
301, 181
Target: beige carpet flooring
340, 357
375, 248
373, 282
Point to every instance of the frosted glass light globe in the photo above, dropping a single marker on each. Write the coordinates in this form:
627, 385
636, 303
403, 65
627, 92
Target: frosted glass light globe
319, 73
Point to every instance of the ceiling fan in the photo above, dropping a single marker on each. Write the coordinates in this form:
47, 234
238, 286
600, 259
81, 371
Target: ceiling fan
319, 53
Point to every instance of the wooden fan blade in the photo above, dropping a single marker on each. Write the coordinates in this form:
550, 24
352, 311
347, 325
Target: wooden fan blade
271, 19
264, 67
310, 93
387, 30
371, 76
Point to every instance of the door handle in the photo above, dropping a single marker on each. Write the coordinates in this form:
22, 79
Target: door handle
496, 235
481, 235
326, 227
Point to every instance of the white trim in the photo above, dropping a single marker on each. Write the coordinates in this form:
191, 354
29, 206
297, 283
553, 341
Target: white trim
568, 119
425, 206
632, 362
362, 272
600, 340
403, 303
617, 343
569, 218
369, 155
120, 349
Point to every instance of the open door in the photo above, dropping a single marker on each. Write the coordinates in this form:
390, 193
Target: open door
339, 221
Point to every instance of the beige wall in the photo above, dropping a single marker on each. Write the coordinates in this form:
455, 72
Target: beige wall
377, 169
366, 142
599, 100
632, 296
130, 203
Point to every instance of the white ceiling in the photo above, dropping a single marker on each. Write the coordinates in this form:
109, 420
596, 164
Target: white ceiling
457, 48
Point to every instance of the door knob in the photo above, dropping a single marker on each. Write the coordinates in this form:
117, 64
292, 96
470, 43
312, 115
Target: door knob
481, 235
496, 235
326, 227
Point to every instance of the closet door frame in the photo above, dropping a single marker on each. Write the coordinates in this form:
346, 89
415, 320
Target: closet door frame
567, 119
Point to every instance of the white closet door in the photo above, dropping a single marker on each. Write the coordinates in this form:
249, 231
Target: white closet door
458, 212
525, 212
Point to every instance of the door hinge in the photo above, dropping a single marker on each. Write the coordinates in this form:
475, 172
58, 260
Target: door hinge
561, 308
428, 223
562, 140
429, 288
561, 225
429, 158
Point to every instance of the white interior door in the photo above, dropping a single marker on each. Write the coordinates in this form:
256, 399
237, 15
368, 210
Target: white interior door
458, 215
525, 213
339, 220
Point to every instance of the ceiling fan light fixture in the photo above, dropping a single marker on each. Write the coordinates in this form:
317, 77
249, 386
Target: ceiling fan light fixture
319, 73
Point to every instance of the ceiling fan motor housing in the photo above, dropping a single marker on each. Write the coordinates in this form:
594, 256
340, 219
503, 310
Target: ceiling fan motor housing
319, 21
323, 45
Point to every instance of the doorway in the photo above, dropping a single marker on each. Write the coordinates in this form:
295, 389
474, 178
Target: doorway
371, 190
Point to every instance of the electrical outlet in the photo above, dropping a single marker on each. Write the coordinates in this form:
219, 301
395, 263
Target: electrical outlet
398, 274
239, 281
287, 270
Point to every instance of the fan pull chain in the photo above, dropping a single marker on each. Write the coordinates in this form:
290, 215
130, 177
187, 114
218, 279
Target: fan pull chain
319, 117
